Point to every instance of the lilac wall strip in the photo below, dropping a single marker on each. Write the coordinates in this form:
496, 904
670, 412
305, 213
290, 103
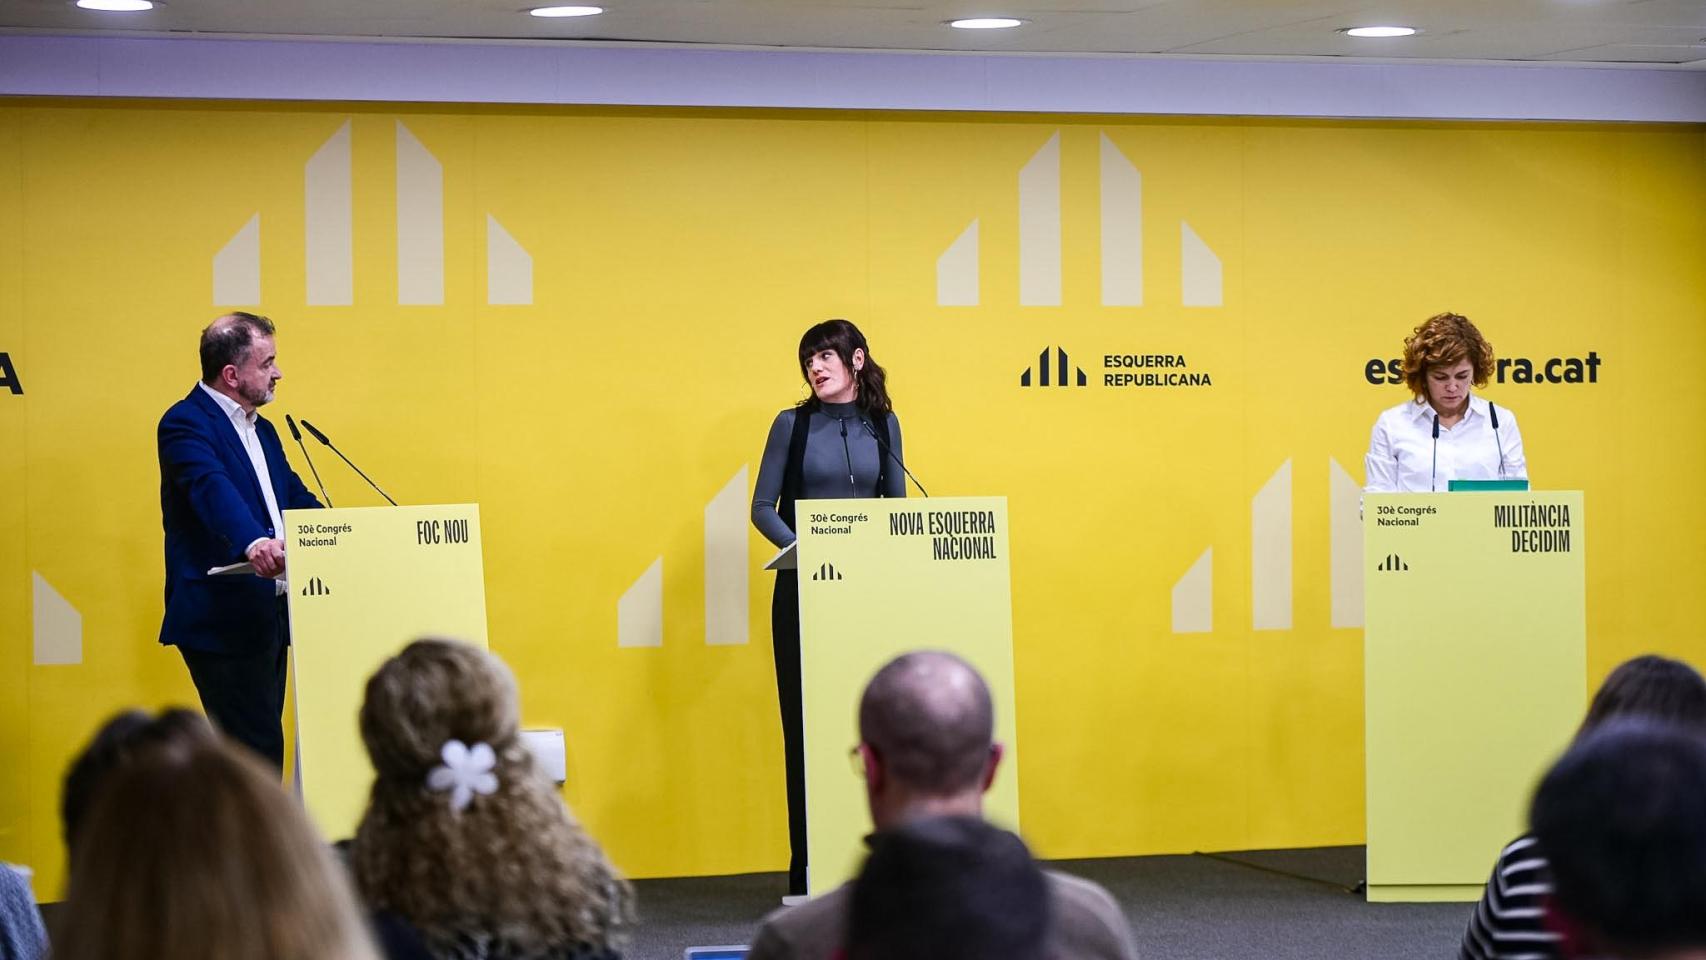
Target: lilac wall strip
474, 72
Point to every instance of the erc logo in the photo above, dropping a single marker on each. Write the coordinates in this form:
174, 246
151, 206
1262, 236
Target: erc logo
316, 588
1062, 368
1392, 564
828, 572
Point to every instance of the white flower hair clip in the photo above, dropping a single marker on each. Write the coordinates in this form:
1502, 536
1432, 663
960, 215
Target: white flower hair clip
465, 772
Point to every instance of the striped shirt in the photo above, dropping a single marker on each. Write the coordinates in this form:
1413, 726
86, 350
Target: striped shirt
1510, 921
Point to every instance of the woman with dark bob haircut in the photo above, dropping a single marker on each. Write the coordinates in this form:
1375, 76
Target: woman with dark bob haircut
1444, 432
1509, 920
841, 441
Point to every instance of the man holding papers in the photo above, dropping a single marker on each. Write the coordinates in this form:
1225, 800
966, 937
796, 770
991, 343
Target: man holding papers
224, 484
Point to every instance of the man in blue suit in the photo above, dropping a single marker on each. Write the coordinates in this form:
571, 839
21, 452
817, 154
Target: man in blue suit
223, 484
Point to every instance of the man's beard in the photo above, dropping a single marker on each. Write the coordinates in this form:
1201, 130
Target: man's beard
258, 398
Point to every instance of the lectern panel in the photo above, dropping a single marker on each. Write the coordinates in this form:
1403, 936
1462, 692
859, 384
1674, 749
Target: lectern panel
878, 578
364, 582
1475, 668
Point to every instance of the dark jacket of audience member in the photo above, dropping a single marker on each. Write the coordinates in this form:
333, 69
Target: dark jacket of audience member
948, 888
191, 851
1510, 921
1622, 818
464, 841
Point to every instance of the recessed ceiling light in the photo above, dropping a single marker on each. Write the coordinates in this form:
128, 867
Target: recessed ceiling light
1379, 31
566, 11
985, 23
117, 6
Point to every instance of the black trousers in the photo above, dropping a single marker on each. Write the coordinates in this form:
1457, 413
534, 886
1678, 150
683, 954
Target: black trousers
785, 642
243, 694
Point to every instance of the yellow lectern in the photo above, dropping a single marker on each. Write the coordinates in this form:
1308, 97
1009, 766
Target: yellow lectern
1475, 667
364, 582
878, 578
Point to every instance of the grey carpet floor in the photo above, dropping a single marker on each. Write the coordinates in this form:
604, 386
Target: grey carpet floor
1180, 908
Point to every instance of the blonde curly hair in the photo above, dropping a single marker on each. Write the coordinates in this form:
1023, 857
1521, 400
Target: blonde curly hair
1444, 339
514, 865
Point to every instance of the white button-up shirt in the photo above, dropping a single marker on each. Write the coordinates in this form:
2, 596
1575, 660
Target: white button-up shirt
1403, 456
244, 422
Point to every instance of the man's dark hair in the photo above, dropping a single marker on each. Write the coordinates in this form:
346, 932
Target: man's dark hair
1651, 686
226, 339
948, 888
118, 742
928, 717
1622, 818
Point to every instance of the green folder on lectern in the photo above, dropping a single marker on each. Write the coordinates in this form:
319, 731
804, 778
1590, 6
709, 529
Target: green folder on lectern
1485, 486
1475, 669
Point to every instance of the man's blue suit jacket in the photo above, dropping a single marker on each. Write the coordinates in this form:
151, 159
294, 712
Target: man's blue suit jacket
211, 508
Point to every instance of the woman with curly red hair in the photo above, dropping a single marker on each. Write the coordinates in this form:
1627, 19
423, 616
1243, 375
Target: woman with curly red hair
1444, 432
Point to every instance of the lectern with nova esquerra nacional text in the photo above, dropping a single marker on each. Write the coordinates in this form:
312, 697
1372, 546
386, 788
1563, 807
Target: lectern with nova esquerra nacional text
879, 577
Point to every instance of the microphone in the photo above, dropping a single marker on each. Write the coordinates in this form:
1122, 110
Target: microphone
298, 435
852, 485
1432, 479
890, 454
322, 438
1494, 411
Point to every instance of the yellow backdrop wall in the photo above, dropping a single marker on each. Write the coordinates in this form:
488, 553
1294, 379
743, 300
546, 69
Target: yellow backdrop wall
584, 320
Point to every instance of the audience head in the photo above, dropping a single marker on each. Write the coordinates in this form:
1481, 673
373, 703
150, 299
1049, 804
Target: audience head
948, 888
926, 729
189, 850
1622, 818
119, 741
1654, 687
462, 827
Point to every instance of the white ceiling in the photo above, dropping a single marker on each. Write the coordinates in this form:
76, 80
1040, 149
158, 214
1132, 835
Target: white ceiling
1568, 31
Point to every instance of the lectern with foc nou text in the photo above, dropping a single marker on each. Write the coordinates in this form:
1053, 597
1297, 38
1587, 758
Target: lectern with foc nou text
1475, 672
878, 578
364, 582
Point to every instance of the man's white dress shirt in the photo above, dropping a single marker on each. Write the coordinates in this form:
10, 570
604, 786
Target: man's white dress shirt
245, 426
1401, 453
